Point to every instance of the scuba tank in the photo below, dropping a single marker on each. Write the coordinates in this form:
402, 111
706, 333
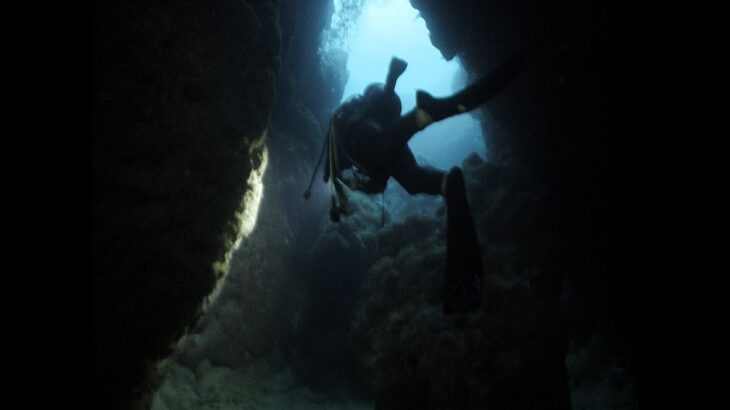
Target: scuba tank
347, 134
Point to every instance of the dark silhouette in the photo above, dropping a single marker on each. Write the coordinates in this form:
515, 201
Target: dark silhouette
368, 136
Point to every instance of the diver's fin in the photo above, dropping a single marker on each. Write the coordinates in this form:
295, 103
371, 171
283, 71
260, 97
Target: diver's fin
463, 280
397, 67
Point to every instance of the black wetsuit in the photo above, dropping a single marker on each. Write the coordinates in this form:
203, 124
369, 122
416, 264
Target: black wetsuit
379, 148
373, 136
369, 135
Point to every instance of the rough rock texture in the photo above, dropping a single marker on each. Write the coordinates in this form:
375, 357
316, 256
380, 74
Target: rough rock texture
563, 215
335, 264
261, 385
181, 97
182, 92
259, 311
306, 87
507, 355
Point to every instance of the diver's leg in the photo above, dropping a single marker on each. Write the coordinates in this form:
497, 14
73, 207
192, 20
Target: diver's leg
417, 179
402, 129
475, 94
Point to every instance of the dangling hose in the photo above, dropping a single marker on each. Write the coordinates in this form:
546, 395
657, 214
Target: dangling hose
332, 157
308, 192
338, 195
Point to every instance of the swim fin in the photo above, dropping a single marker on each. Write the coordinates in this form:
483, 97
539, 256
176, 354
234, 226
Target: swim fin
396, 69
462, 287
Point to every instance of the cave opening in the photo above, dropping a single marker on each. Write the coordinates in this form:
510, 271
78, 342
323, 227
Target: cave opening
387, 28
217, 285
368, 33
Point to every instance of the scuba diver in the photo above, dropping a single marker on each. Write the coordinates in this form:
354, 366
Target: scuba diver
369, 137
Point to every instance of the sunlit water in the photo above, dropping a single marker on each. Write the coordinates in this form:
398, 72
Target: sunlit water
390, 28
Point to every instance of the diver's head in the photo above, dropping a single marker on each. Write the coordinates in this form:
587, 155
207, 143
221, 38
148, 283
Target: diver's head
382, 105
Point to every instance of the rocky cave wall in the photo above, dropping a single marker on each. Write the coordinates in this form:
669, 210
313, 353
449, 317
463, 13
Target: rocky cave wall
258, 314
181, 96
182, 93
557, 208
571, 124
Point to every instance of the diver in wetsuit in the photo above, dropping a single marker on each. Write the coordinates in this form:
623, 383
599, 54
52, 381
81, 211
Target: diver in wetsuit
368, 135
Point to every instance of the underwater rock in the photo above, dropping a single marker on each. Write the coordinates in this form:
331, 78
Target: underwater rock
261, 306
569, 126
181, 97
509, 354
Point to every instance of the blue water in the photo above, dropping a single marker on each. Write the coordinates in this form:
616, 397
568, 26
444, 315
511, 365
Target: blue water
389, 28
